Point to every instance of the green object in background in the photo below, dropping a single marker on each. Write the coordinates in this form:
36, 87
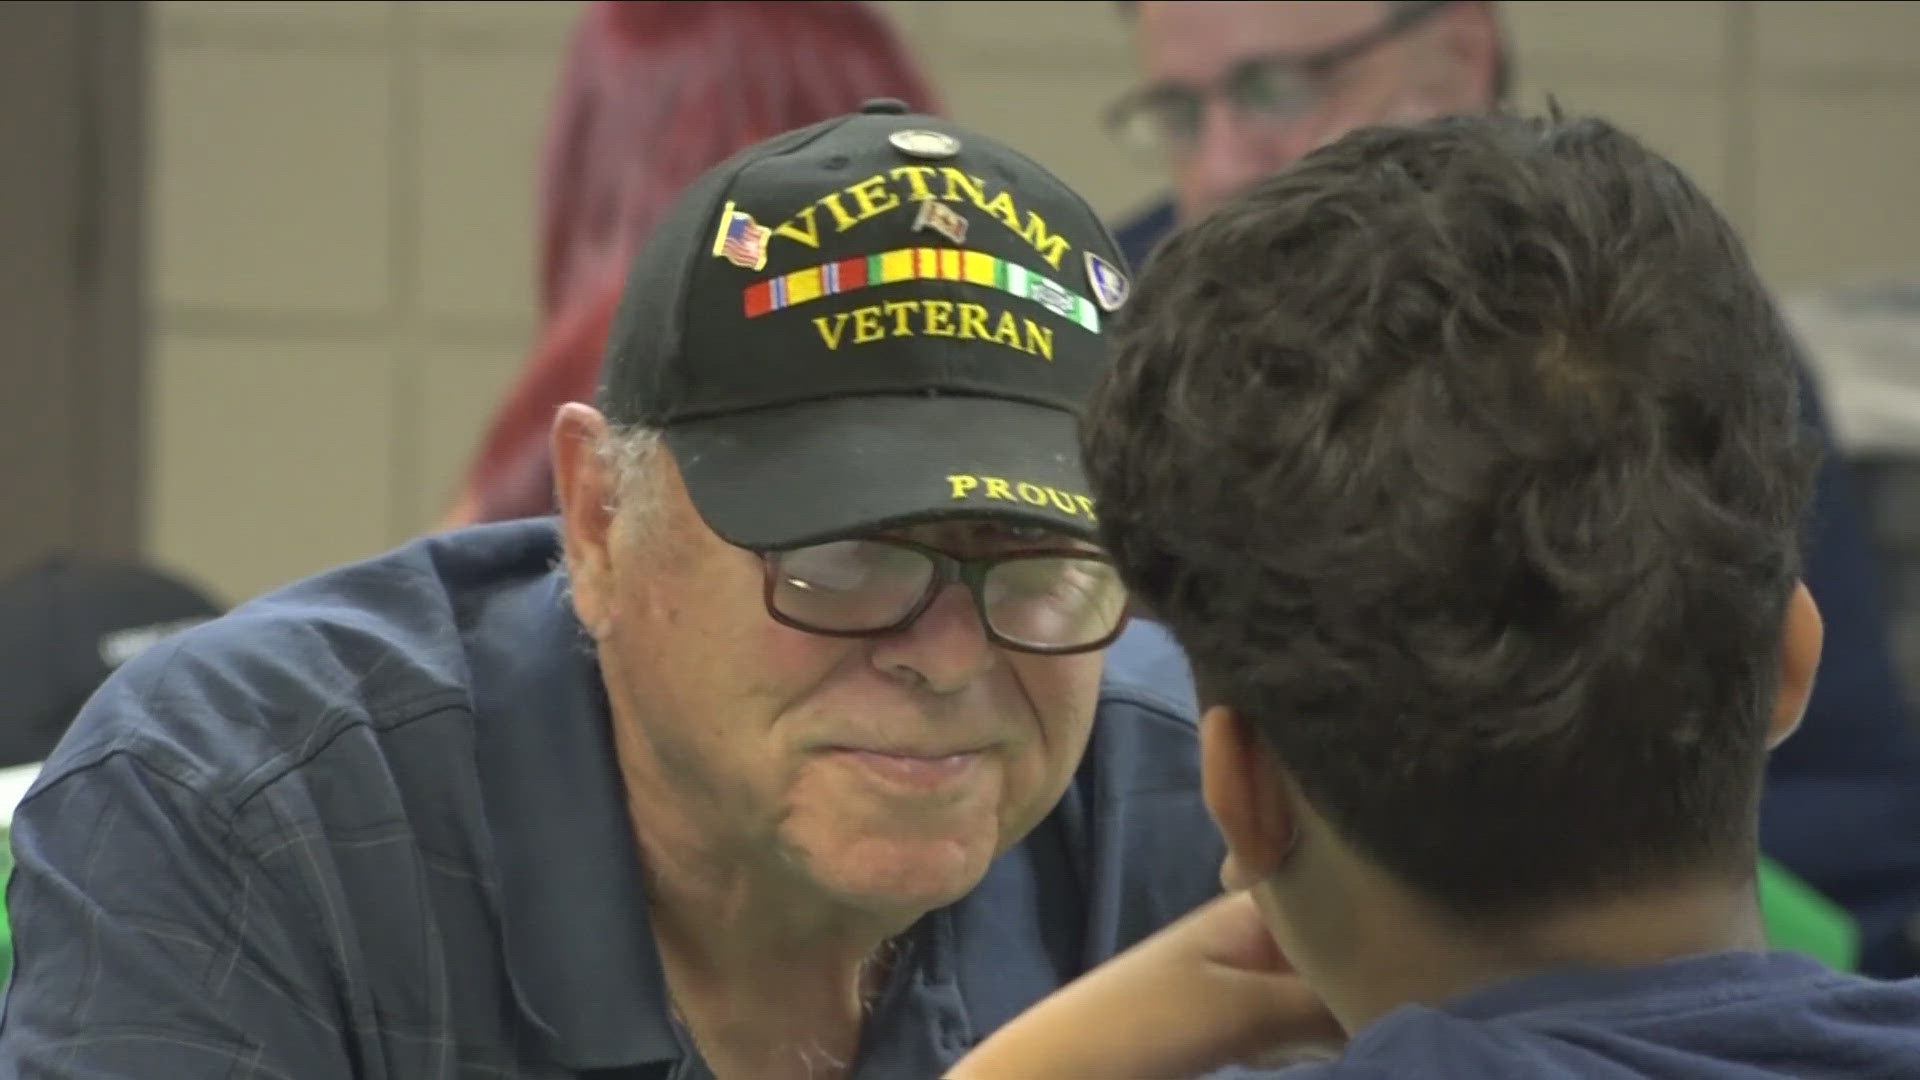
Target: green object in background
6, 929
1798, 919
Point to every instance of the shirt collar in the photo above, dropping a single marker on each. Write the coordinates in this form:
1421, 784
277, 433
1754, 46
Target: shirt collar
1594, 988
580, 952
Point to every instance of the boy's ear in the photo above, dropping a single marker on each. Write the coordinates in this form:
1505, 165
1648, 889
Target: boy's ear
1249, 799
1802, 636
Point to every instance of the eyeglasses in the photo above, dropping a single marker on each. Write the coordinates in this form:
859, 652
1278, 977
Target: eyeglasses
1049, 601
1166, 119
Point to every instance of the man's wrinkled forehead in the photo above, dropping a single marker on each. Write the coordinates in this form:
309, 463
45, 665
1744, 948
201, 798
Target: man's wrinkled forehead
1196, 41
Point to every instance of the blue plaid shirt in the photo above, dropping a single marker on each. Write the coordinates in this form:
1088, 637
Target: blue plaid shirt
370, 826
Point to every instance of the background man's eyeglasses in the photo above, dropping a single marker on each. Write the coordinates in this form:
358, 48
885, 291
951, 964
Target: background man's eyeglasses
1166, 119
1053, 601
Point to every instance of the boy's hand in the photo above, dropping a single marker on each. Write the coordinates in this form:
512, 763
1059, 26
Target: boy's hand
1209, 991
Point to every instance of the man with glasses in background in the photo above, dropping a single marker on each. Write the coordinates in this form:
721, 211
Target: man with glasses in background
785, 752
1233, 92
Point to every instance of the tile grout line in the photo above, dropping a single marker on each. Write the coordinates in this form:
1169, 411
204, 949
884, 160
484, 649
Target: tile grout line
404, 210
1741, 120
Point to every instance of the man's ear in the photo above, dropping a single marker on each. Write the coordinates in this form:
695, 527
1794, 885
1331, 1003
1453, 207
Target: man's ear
1802, 633
1249, 800
585, 485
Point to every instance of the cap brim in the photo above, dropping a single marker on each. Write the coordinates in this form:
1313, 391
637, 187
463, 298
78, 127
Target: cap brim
823, 470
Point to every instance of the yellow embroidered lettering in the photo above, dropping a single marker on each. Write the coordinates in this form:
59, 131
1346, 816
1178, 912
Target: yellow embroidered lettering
973, 322
1001, 206
831, 336
1006, 333
967, 485
938, 313
1039, 339
866, 324
1051, 248
916, 176
966, 320
791, 229
900, 310
961, 182
872, 197
841, 218
882, 193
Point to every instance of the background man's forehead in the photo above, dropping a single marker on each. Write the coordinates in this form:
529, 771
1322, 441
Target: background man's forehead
1190, 39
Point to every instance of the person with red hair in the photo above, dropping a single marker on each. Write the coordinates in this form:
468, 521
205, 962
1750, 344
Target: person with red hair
652, 94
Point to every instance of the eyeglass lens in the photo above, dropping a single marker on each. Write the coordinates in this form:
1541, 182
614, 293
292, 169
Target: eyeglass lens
1171, 116
1040, 600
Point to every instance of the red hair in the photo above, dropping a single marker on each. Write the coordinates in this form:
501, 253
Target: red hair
652, 95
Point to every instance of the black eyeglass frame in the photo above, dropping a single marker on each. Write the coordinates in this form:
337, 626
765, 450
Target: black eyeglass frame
947, 569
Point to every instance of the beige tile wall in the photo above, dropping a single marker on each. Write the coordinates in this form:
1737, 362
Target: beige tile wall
343, 195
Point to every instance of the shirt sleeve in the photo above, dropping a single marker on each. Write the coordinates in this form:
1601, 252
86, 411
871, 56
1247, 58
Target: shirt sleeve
147, 946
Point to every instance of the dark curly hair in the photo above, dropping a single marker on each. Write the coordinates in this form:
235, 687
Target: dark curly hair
1464, 460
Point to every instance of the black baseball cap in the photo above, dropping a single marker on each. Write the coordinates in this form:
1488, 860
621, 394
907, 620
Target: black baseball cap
877, 320
66, 622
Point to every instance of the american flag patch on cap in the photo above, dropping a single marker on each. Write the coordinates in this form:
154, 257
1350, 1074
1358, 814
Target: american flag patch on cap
741, 240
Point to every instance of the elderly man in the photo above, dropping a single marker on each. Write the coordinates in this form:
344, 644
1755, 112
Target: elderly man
784, 753
1234, 91
1480, 520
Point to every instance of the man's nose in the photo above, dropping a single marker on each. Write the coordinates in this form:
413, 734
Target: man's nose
946, 648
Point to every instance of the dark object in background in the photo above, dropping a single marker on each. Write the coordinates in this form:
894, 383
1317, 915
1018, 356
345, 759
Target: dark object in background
1863, 342
65, 623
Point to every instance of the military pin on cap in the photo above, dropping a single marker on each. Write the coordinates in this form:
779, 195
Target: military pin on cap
920, 143
939, 217
741, 240
1109, 285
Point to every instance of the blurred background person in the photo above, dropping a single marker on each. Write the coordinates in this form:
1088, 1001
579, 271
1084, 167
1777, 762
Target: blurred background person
1231, 92
1863, 341
653, 93
67, 621
342, 218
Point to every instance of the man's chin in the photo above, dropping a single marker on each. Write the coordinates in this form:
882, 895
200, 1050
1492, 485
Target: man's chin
906, 877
